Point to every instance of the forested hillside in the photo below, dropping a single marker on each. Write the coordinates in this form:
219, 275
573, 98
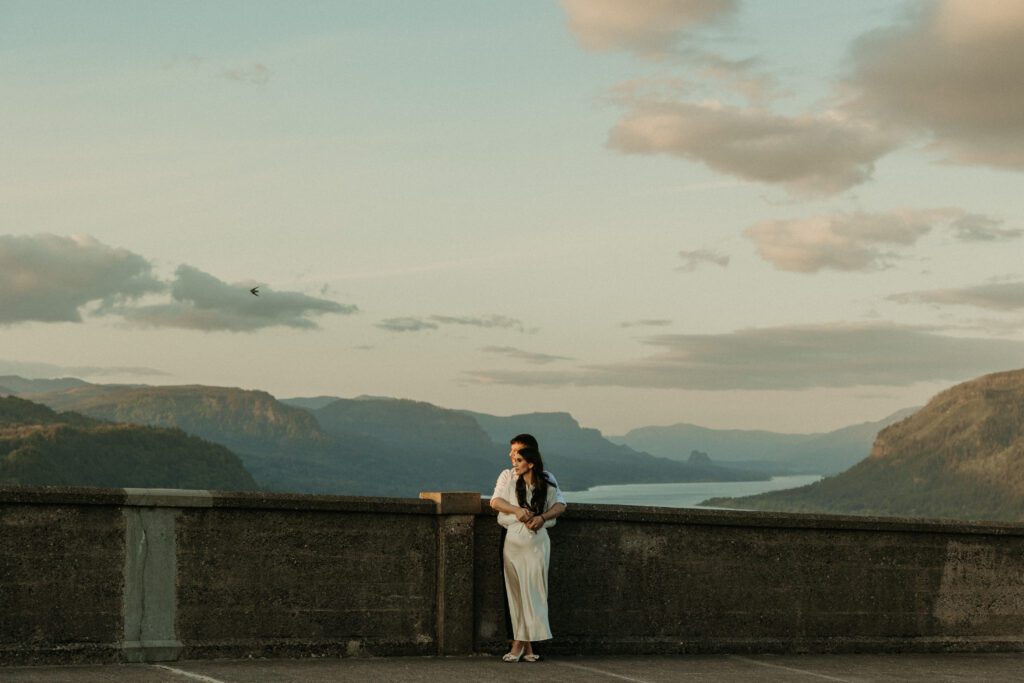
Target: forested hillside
41, 447
377, 446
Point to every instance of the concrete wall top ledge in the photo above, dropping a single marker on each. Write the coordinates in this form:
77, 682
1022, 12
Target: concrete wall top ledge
794, 520
81, 495
178, 498
62, 495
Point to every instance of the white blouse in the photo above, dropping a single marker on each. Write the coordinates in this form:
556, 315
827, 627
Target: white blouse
505, 488
500, 487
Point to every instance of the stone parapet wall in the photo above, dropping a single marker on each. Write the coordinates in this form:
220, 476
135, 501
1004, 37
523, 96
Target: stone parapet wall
149, 575
153, 575
635, 580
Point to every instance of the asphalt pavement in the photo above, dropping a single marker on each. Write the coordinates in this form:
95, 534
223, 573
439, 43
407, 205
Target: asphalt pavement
936, 668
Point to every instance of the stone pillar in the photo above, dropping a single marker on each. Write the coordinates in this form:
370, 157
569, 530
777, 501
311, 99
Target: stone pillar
151, 571
456, 515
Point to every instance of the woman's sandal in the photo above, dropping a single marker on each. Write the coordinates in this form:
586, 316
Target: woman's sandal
511, 658
531, 658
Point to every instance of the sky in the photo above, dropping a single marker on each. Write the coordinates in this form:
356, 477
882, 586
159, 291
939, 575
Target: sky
795, 216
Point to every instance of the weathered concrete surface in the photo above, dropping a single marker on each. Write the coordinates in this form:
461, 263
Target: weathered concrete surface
60, 582
951, 668
256, 582
111, 575
650, 580
128, 575
150, 579
454, 590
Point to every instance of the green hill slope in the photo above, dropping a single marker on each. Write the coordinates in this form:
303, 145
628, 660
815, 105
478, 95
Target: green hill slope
961, 456
40, 447
283, 446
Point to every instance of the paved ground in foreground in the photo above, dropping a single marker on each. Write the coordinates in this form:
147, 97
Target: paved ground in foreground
760, 668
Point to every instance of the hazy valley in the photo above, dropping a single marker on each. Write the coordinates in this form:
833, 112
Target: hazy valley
956, 457
368, 446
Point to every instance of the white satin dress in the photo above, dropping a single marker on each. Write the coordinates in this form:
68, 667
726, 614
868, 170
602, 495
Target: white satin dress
527, 555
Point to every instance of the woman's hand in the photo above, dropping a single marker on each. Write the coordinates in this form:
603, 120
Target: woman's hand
523, 515
535, 523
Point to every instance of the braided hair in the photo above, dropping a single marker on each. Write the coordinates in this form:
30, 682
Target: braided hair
540, 482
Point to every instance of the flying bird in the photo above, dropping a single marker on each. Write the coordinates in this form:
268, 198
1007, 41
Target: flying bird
253, 290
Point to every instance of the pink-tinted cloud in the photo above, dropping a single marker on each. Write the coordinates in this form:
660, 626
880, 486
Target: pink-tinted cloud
809, 155
647, 28
953, 71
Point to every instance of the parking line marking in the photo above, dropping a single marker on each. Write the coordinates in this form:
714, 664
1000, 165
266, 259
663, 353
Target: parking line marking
790, 668
189, 674
603, 673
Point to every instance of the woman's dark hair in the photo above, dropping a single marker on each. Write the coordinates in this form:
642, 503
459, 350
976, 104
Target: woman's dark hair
526, 439
540, 482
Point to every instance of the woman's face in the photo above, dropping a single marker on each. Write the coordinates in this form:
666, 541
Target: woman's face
513, 451
520, 465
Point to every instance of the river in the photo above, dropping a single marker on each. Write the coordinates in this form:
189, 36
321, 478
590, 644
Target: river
685, 494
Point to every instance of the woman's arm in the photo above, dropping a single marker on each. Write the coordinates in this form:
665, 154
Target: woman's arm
500, 505
506, 520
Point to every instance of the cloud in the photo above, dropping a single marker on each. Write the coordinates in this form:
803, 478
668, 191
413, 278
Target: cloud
49, 370
415, 324
842, 241
692, 259
973, 227
528, 356
200, 301
648, 28
808, 155
49, 278
952, 70
706, 71
481, 321
646, 323
739, 75
998, 327
255, 74
790, 357
406, 324
1002, 296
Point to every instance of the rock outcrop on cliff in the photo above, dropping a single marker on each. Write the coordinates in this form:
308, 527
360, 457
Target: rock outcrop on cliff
961, 456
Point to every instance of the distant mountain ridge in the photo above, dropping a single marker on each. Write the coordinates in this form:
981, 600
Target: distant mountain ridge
309, 402
19, 385
589, 459
243, 419
438, 444
774, 452
386, 446
283, 446
961, 456
371, 446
